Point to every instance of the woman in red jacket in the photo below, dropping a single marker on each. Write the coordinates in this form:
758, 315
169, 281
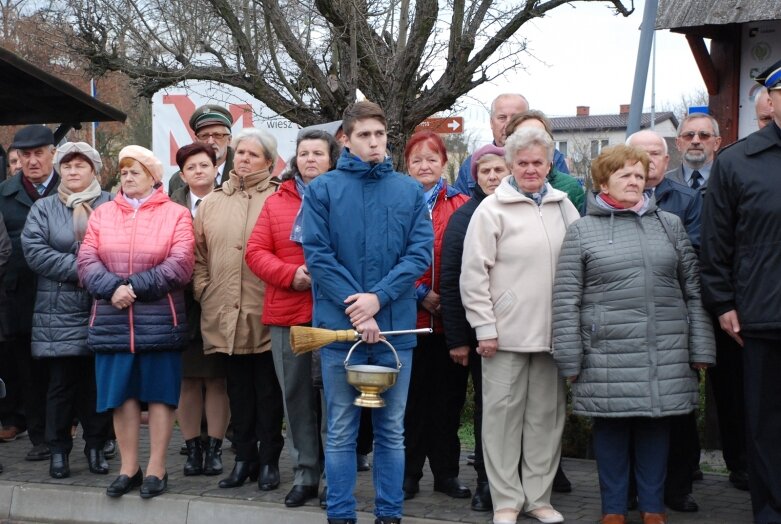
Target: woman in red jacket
438, 383
275, 255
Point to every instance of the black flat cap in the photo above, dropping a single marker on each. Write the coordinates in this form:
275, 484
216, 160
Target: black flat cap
33, 136
770, 77
209, 115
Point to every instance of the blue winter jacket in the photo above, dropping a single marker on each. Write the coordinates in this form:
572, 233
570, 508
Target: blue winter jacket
366, 230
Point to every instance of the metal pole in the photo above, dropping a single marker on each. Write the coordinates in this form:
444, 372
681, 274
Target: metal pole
653, 82
641, 67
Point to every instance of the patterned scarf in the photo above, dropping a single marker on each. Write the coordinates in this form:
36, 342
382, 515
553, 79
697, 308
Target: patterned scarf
537, 197
81, 203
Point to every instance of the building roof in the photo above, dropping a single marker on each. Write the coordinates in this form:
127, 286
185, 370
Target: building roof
607, 122
30, 95
674, 14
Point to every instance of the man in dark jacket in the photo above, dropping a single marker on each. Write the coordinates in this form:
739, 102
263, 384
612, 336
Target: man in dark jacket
27, 379
681, 200
741, 283
212, 125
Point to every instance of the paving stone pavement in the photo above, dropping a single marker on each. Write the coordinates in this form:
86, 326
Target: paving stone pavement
719, 502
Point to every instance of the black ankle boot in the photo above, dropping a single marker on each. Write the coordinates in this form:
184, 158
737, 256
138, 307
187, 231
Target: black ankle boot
387, 520
58, 465
241, 471
212, 464
96, 459
482, 499
194, 464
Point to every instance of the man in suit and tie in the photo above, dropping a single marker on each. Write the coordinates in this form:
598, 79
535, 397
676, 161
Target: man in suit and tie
698, 140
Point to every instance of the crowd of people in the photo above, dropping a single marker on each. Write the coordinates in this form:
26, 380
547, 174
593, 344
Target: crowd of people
152, 307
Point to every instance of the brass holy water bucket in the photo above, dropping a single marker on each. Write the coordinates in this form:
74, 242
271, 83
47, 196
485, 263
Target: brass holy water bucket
371, 380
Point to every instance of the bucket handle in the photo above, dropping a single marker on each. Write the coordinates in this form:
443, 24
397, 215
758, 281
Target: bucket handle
383, 341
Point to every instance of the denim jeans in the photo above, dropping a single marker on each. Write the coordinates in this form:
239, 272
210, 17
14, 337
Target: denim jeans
611, 447
343, 422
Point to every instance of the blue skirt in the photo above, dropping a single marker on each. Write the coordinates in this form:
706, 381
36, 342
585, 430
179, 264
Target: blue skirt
147, 377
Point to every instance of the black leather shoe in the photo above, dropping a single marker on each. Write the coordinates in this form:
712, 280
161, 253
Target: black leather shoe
387, 520
470, 459
212, 463
324, 498
242, 470
410, 487
153, 486
110, 449
299, 495
39, 452
123, 484
739, 479
194, 464
96, 460
482, 499
561, 483
58, 465
183, 449
452, 487
684, 503
363, 462
341, 521
269, 477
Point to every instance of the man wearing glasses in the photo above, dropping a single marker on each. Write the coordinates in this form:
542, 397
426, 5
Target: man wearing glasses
698, 140
212, 125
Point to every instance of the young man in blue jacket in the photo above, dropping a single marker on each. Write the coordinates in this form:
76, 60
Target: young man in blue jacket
367, 237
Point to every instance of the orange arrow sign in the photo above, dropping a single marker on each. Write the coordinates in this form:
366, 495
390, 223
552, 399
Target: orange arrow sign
453, 124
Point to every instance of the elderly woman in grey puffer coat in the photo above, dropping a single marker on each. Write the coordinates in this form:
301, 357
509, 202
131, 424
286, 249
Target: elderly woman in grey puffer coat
51, 238
629, 329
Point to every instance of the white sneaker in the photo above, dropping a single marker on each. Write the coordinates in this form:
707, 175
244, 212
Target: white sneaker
546, 515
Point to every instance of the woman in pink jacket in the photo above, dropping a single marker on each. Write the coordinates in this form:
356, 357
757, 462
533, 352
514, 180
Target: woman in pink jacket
136, 259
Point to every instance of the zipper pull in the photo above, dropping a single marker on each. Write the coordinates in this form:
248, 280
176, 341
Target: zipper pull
241, 183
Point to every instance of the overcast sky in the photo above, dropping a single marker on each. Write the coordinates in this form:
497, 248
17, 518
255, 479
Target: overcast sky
585, 55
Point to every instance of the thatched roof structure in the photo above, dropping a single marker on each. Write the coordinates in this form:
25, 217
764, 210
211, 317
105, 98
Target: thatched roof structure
676, 14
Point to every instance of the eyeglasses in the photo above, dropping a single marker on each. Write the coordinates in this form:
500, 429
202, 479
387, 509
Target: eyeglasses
203, 137
689, 135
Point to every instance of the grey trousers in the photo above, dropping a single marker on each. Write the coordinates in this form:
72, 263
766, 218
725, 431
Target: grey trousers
295, 379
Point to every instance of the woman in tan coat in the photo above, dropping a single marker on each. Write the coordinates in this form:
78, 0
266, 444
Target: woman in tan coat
231, 298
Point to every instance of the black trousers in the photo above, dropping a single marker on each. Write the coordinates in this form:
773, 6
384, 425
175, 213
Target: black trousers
256, 407
436, 397
761, 365
683, 456
72, 392
726, 379
26, 382
476, 370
